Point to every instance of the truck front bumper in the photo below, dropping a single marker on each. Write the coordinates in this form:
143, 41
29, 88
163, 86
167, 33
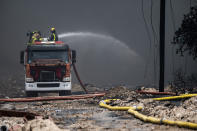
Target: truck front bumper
47, 86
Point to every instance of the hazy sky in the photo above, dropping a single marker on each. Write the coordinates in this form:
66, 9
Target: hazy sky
120, 19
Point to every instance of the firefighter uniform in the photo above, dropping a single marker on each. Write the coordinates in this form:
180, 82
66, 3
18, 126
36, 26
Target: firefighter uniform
35, 36
53, 36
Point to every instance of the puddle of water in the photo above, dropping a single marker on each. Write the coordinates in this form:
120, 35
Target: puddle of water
112, 120
71, 111
68, 116
112, 114
176, 103
119, 116
108, 120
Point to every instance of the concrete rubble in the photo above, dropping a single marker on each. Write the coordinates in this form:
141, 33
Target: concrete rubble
41, 125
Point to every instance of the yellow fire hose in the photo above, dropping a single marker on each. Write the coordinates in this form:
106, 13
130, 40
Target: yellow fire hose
175, 97
145, 118
104, 103
162, 121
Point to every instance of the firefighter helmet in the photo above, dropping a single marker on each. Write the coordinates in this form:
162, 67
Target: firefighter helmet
52, 29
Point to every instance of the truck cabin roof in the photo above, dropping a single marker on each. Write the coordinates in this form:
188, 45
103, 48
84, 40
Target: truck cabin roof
41, 46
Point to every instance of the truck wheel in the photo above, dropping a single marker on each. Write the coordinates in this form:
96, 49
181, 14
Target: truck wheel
64, 93
31, 94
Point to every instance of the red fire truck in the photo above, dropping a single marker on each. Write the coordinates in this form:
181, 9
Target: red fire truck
47, 67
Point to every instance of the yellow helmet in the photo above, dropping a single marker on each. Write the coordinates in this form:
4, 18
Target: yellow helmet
52, 29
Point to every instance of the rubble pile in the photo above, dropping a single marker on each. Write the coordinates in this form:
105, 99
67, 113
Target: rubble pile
40, 125
185, 111
11, 121
122, 93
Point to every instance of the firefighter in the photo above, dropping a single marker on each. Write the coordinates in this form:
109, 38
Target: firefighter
53, 36
36, 36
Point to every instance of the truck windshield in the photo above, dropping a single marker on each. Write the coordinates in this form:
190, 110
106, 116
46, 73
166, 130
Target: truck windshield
60, 55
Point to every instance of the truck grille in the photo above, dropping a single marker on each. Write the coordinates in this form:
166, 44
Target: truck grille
48, 85
47, 76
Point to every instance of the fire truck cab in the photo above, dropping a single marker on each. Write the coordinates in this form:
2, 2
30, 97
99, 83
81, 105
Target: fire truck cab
47, 67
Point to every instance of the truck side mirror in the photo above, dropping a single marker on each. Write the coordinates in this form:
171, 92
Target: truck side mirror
22, 57
73, 56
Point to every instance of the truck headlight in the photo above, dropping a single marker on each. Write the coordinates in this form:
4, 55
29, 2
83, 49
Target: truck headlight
66, 79
29, 79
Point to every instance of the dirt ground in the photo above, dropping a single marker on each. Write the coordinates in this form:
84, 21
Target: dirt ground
85, 114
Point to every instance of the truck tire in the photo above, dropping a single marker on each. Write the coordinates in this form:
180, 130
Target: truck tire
31, 94
64, 93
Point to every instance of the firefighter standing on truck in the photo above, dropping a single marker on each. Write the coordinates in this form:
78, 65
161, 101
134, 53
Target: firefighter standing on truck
53, 36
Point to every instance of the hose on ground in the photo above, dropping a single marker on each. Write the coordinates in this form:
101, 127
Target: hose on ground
162, 121
132, 110
50, 98
78, 78
175, 97
104, 103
